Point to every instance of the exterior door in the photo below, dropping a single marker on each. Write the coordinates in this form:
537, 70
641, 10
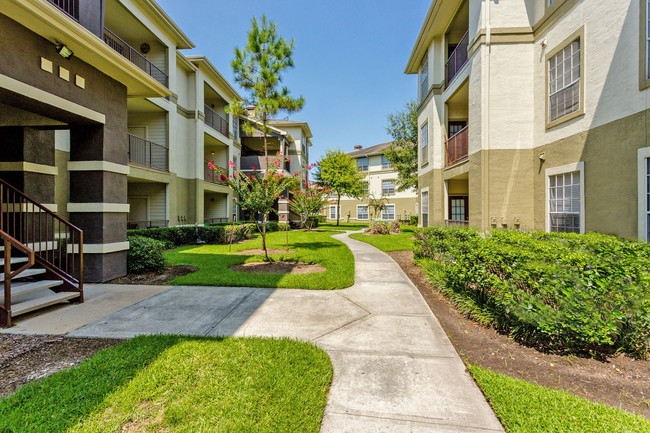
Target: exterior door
455, 127
458, 208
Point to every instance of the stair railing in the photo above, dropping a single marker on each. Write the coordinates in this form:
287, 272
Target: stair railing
57, 244
9, 242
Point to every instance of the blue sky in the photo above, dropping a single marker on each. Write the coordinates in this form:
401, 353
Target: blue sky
349, 56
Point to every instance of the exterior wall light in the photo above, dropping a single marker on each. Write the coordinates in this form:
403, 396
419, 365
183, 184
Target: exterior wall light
64, 51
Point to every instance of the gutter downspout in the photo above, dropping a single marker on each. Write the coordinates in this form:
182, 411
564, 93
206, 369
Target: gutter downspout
486, 128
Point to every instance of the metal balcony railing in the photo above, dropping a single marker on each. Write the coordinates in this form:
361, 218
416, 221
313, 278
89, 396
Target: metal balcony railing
146, 224
457, 59
215, 121
126, 50
456, 148
147, 153
69, 7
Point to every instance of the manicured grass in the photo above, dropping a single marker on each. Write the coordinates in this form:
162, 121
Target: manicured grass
180, 384
214, 262
341, 226
524, 407
398, 242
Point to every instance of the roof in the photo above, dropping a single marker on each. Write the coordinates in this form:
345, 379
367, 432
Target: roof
377, 149
303, 125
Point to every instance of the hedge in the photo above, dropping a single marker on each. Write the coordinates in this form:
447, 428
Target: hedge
145, 254
587, 294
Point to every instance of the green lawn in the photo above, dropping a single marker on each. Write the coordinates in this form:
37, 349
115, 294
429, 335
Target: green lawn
179, 384
524, 407
398, 242
341, 226
214, 262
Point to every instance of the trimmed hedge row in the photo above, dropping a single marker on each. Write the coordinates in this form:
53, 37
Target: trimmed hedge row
562, 292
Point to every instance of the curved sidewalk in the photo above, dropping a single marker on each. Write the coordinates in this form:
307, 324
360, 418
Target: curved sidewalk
395, 370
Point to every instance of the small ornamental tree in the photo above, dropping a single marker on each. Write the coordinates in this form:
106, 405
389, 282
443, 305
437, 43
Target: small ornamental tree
258, 191
309, 201
377, 204
339, 172
403, 153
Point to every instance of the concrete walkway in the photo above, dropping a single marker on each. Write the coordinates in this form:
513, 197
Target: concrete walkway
394, 368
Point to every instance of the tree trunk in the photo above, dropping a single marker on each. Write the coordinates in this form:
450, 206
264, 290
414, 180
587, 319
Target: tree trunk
266, 253
338, 206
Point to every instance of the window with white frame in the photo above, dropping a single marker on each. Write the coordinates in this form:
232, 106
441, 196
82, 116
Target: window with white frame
234, 211
423, 78
565, 202
388, 187
362, 212
362, 163
333, 212
564, 81
424, 142
424, 201
388, 212
385, 163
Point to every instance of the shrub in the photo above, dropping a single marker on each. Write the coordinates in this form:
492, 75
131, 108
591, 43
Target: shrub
563, 292
187, 235
394, 227
314, 220
145, 254
414, 220
377, 228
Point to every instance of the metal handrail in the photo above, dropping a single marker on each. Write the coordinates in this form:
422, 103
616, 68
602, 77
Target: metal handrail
130, 53
57, 244
148, 153
457, 59
68, 7
456, 147
10, 242
215, 120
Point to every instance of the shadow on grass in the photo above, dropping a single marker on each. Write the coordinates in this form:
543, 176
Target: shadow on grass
73, 394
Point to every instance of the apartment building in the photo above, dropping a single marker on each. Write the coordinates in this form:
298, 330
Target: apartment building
533, 114
380, 180
105, 125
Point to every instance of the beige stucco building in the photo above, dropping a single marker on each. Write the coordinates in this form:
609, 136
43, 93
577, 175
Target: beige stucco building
380, 180
534, 114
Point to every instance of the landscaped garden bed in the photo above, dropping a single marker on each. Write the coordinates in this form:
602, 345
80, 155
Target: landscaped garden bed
389, 242
174, 384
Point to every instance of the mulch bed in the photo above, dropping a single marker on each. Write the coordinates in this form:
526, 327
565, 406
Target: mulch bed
155, 277
278, 267
24, 358
621, 381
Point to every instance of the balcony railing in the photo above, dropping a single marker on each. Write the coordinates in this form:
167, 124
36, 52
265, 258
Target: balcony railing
69, 7
215, 220
146, 224
457, 59
126, 50
456, 223
215, 121
147, 153
259, 163
456, 148
211, 176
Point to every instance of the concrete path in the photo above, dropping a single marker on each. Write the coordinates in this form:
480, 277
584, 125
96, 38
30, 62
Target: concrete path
394, 368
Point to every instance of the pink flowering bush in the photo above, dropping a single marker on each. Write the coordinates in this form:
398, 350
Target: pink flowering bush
309, 200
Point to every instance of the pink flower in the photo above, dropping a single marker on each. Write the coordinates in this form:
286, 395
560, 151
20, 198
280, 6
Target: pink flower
289, 160
223, 178
252, 166
234, 199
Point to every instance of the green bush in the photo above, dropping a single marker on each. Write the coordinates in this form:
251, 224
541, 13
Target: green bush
145, 254
563, 292
187, 235
414, 220
314, 220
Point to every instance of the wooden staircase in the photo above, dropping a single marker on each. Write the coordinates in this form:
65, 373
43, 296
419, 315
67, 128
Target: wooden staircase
42, 256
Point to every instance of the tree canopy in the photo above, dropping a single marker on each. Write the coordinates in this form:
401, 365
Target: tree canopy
403, 154
339, 172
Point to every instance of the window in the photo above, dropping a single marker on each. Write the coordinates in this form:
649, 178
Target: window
643, 192
564, 85
388, 212
333, 212
423, 77
424, 140
365, 187
388, 187
234, 211
234, 160
362, 212
424, 199
549, 2
235, 128
385, 163
362, 163
565, 202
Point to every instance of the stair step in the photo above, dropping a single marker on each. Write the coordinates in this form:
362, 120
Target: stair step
24, 274
22, 288
14, 260
42, 302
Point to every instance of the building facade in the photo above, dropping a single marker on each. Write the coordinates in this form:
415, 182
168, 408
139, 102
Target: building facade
380, 183
533, 114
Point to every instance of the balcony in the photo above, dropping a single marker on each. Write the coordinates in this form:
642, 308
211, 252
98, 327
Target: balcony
130, 53
457, 59
456, 148
215, 121
69, 7
148, 154
258, 163
211, 176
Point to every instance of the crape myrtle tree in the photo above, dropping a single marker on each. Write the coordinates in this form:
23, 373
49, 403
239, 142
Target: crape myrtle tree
339, 172
403, 153
258, 69
258, 191
308, 200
